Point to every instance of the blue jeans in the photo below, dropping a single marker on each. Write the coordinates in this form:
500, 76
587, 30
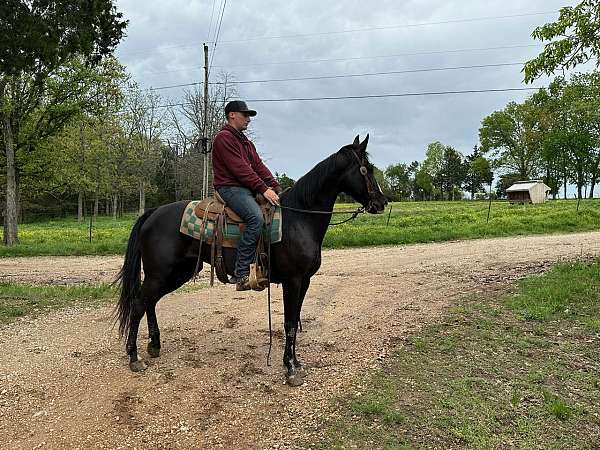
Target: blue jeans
242, 201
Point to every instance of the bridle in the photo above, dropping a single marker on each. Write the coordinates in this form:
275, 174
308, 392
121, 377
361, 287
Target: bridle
364, 172
362, 167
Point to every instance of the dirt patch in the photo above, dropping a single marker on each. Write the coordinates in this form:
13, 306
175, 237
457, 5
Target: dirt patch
64, 380
60, 269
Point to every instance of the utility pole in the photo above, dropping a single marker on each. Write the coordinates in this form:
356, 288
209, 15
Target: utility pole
205, 126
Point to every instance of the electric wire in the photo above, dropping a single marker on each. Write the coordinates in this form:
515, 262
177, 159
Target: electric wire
212, 12
352, 75
371, 96
354, 58
212, 56
390, 27
356, 30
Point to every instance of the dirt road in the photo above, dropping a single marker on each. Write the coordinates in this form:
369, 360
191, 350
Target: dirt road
65, 383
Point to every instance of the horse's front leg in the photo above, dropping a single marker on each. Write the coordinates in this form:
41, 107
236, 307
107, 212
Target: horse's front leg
291, 296
303, 288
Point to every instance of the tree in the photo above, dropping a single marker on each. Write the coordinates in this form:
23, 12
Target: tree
453, 172
48, 51
187, 126
575, 39
433, 164
88, 163
511, 135
423, 184
577, 126
478, 172
506, 180
398, 177
554, 163
144, 124
284, 181
570, 124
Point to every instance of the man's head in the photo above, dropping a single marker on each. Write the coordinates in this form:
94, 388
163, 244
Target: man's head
238, 115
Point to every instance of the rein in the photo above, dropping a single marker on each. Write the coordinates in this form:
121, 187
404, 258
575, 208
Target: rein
354, 213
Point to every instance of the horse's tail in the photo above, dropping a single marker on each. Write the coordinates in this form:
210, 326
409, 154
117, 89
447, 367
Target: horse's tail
129, 277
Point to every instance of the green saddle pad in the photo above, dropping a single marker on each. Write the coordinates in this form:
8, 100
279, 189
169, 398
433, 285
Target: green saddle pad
191, 225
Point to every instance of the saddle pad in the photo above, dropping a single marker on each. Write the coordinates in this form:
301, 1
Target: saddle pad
191, 225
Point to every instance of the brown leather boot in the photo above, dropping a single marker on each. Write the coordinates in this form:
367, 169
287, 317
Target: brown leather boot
243, 283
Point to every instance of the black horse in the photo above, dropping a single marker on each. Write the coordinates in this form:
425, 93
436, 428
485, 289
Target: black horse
170, 257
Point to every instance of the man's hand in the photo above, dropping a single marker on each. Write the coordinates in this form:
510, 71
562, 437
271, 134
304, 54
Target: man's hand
271, 196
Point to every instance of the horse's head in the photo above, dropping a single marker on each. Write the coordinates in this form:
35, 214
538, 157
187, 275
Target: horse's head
358, 180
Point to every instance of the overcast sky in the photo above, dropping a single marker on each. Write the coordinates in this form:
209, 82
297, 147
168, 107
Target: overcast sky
283, 39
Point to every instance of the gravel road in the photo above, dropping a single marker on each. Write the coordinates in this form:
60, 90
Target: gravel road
65, 383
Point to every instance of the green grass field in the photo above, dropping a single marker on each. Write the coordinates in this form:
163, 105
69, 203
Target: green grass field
409, 222
19, 300
27, 300
516, 371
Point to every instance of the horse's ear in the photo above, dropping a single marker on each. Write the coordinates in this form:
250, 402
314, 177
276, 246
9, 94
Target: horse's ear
363, 144
356, 142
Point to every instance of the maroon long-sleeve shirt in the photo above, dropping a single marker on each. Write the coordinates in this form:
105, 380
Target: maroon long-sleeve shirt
236, 162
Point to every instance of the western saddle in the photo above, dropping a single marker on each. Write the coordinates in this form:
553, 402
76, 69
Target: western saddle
215, 210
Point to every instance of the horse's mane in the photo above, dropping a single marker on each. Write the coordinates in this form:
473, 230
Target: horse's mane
310, 185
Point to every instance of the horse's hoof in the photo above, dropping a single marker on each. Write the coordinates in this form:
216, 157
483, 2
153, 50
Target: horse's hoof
138, 366
154, 352
295, 380
299, 368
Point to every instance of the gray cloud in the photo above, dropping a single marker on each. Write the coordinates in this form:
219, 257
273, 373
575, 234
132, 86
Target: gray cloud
164, 47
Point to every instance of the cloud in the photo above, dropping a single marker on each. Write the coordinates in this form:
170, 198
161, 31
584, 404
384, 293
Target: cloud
164, 47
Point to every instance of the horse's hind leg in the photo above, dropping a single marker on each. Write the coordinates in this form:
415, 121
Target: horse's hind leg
151, 292
153, 331
135, 363
177, 278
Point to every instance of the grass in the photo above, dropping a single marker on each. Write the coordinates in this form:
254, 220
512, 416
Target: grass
409, 222
520, 370
68, 237
413, 222
19, 300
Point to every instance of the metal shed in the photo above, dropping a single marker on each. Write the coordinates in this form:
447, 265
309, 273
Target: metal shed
532, 191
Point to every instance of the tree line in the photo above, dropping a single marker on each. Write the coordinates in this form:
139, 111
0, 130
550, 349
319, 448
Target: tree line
554, 136
78, 134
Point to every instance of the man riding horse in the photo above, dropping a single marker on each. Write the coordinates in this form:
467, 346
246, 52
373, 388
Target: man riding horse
239, 174
170, 257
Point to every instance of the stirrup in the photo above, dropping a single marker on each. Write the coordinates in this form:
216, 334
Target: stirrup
257, 280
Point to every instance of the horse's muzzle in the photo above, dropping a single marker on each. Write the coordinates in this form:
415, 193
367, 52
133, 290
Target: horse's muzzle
376, 206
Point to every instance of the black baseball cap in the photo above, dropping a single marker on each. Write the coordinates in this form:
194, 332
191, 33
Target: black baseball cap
238, 106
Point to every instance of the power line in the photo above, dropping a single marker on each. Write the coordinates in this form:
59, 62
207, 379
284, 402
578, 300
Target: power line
391, 27
355, 97
356, 30
430, 52
356, 58
352, 75
212, 12
405, 94
217, 36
